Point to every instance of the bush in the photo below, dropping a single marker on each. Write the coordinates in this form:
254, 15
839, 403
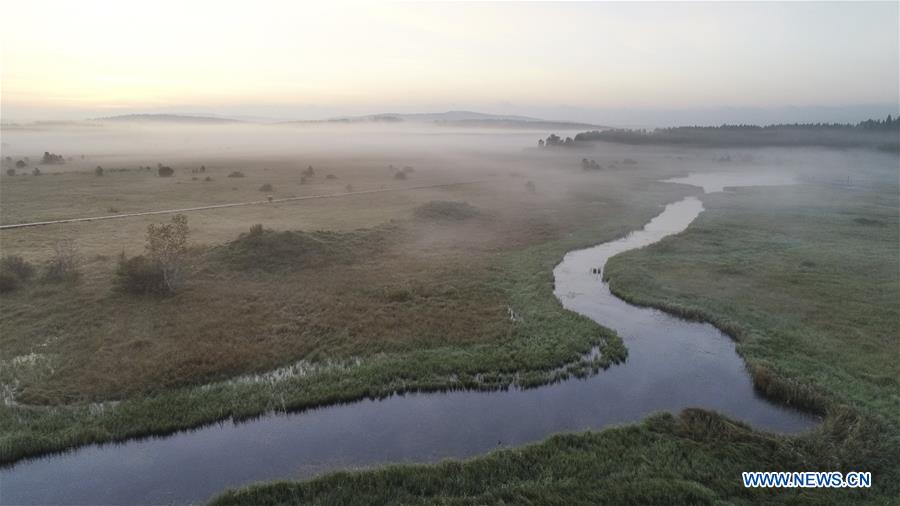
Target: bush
14, 270
165, 171
17, 266
8, 282
267, 250
331, 176
36, 171
64, 264
207, 179
50, 159
98, 171
236, 173
140, 275
10, 172
266, 188
400, 175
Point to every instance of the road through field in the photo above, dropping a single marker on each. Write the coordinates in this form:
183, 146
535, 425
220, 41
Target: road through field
235, 204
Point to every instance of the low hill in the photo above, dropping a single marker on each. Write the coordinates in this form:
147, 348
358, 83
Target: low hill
167, 118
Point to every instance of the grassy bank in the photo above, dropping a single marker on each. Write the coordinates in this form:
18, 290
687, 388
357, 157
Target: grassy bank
695, 458
806, 279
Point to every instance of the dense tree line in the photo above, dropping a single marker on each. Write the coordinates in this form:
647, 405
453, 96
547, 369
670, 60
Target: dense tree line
555, 140
872, 132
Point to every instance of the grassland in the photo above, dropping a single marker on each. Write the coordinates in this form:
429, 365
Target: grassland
374, 309
297, 318
806, 279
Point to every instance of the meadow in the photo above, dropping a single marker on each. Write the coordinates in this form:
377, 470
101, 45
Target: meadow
338, 299
377, 281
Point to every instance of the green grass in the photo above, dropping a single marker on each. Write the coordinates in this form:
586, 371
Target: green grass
809, 292
694, 458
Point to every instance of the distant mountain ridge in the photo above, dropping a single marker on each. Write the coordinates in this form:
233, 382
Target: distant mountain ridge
460, 119
168, 118
463, 119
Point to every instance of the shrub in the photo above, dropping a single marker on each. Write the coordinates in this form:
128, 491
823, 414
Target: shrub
265, 188
14, 270
50, 159
310, 172
20, 164
400, 175
207, 179
236, 173
10, 172
590, 164
408, 169
17, 266
331, 176
165, 171
348, 188
64, 264
8, 282
98, 171
262, 249
36, 171
140, 275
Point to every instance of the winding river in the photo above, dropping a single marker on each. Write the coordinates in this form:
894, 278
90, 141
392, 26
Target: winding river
672, 364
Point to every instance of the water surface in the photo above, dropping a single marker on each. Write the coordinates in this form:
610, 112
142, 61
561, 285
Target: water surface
672, 364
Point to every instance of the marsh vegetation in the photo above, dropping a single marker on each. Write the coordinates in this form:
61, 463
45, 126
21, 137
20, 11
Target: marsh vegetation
161, 321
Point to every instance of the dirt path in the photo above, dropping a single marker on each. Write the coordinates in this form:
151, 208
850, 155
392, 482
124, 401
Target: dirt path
234, 204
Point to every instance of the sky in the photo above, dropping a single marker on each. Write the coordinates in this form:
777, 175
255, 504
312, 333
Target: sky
610, 63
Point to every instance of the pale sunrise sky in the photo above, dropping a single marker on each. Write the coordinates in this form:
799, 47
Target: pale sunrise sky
79, 59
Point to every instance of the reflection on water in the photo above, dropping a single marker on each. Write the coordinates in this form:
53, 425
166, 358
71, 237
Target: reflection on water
672, 364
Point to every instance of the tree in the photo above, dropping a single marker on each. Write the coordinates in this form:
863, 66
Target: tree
167, 248
10, 172
165, 171
20, 164
50, 158
540, 143
98, 171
